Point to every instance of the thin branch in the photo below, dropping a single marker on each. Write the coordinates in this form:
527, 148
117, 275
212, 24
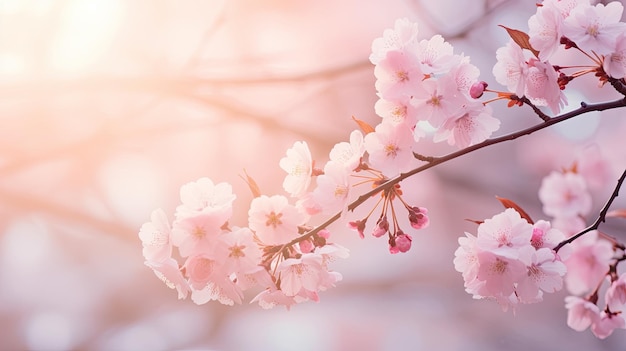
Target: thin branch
601, 217
584, 108
539, 113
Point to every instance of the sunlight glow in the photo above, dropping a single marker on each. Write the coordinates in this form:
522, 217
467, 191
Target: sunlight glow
87, 30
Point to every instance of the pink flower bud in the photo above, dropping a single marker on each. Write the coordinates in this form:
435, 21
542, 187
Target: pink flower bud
306, 246
403, 242
382, 226
418, 218
400, 243
324, 233
477, 89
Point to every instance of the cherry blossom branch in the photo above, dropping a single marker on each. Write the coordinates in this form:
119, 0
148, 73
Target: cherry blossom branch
601, 217
618, 84
539, 113
434, 161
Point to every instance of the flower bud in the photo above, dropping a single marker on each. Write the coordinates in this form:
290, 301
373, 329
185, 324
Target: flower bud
477, 89
306, 246
382, 226
418, 218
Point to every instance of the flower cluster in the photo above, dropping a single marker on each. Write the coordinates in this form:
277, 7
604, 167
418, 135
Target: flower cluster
596, 31
422, 85
511, 260
220, 262
592, 258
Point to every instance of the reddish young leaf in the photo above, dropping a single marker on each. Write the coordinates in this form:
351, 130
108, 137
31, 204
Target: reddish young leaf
254, 187
617, 213
510, 204
521, 39
365, 127
474, 221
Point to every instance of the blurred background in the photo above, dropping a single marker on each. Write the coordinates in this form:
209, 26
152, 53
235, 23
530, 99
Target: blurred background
107, 107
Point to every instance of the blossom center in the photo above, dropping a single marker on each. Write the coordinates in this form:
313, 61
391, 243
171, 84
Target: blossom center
435, 100
199, 232
499, 266
391, 150
403, 76
273, 219
340, 191
593, 31
236, 251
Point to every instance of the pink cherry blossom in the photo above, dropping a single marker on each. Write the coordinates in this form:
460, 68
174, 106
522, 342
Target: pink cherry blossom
593, 165
155, 237
595, 28
272, 297
565, 195
581, 313
169, 272
545, 273
237, 251
545, 31
402, 37
505, 233
588, 263
438, 100
606, 324
564, 7
299, 166
510, 68
542, 87
615, 296
221, 289
474, 125
300, 273
499, 273
569, 226
465, 259
436, 55
205, 196
349, 154
390, 148
332, 188
614, 63
193, 234
465, 75
398, 75
209, 281
544, 235
274, 220
397, 111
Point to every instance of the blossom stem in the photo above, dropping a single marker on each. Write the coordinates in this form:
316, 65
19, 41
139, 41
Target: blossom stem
601, 217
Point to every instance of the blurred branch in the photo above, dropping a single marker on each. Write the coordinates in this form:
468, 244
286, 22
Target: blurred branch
38, 204
164, 84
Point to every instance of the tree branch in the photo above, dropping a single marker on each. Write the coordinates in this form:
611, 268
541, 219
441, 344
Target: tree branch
584, 108
601, 217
